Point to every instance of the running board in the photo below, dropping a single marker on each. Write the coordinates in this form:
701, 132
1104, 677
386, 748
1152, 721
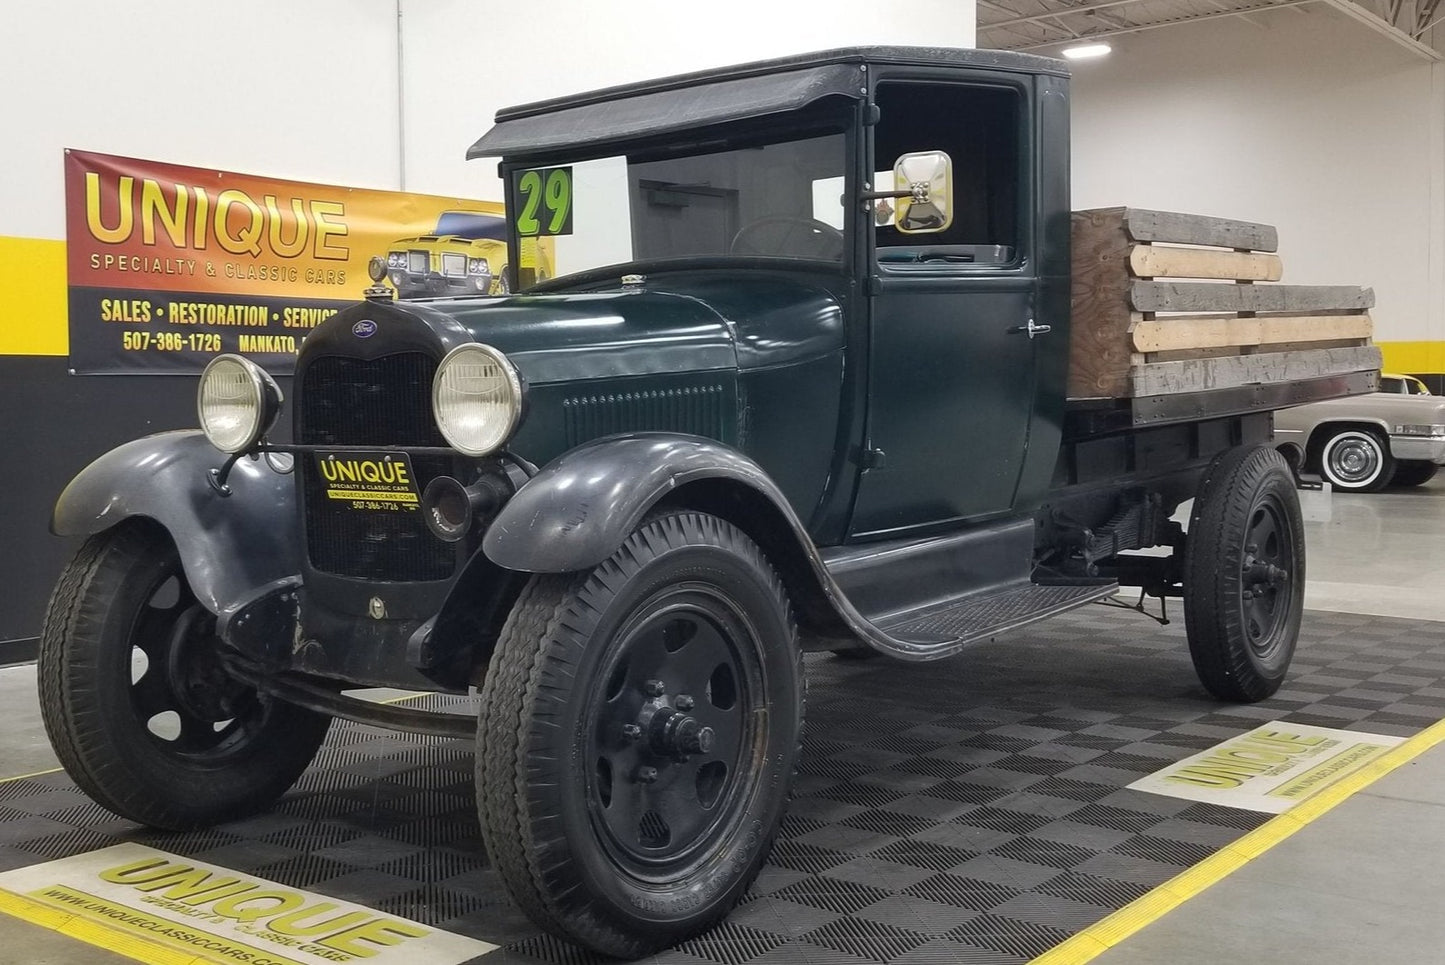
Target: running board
974, 619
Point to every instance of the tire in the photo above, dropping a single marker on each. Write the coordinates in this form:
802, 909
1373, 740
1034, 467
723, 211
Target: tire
1414, 472
1244, 571
612, 819
1357, 461
137, 704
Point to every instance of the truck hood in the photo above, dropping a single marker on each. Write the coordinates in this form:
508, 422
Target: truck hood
691, 325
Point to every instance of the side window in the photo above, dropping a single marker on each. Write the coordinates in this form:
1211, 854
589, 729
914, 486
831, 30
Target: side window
978, 127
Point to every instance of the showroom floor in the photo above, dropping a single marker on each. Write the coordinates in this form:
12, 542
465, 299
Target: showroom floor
972, 811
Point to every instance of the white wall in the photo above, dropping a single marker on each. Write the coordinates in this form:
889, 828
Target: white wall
465, 59
301, 90
1305, 120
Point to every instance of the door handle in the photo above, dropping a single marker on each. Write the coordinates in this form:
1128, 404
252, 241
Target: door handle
1030, 329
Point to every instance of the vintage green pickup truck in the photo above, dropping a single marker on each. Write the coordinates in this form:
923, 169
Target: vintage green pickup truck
816, 373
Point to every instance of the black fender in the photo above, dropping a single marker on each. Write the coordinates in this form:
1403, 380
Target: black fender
580, 507
229, 545
578, 510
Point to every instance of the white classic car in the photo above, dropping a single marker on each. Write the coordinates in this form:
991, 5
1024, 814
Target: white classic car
1363, 443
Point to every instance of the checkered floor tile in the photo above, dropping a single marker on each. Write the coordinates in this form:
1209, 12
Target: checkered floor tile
974, 810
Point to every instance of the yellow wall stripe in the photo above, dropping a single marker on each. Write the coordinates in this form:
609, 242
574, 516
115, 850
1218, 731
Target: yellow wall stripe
33, 312
1135, 916
1414, 358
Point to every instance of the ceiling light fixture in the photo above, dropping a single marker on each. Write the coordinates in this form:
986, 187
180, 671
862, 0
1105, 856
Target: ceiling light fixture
1086, 51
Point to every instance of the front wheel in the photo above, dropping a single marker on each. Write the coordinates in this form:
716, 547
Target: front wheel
1244, 571
137, 703
638, 734
1357, 460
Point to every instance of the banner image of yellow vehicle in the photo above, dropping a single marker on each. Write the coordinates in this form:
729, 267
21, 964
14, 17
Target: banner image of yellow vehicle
467, 254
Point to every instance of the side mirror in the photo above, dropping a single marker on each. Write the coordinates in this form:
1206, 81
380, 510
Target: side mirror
923, 183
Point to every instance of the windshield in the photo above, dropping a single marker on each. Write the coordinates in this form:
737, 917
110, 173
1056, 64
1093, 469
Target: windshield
775, 199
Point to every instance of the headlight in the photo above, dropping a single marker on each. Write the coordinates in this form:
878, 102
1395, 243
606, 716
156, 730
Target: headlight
396, 259
237, 402
477, 399
478, 266
1429, 431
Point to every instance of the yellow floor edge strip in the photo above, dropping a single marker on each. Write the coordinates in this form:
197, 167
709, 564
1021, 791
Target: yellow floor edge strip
97, 934
1147, 909
21, 777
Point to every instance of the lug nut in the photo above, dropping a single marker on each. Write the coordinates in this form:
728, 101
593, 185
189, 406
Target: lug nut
654, 688
683, 702
646, 775
631, 731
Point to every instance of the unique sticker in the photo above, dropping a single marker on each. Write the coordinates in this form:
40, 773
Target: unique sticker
1272, 768
223, 916
381, 481
544, 202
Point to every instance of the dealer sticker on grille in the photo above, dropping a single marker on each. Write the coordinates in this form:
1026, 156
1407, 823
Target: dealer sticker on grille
370, 480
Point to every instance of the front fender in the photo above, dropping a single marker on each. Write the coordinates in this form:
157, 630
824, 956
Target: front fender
577, 511
229, 545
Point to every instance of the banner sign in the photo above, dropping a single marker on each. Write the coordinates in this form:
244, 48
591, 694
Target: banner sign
1272, 768
225, 916
169, 266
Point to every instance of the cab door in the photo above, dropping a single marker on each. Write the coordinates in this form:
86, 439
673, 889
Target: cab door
953, 327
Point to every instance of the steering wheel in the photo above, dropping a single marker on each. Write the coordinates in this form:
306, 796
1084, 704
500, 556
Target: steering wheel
787, 235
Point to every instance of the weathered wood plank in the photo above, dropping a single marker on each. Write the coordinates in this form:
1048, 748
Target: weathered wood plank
1197, 229
1211, 331
1173, 296
1098, 341
1200, 375
1149, 261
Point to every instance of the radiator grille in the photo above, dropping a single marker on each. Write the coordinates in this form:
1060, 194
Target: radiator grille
694, 409
383, 402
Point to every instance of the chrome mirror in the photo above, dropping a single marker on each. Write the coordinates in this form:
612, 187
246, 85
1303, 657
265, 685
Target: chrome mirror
923, 183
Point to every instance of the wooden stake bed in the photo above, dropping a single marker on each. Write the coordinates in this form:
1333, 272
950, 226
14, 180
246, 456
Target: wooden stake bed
1228, 342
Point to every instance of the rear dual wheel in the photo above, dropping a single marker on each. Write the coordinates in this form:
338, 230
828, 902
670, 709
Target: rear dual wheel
638, 735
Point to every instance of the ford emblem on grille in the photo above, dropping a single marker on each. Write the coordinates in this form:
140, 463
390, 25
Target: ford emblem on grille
364, 328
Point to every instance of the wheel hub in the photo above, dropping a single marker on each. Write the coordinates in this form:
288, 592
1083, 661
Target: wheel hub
676, 735
194, 670
1265, 573
671, 731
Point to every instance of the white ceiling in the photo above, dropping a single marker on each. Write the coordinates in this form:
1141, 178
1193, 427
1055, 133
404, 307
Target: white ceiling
1044, 25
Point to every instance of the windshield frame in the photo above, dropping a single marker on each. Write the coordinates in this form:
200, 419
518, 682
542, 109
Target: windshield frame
832, 116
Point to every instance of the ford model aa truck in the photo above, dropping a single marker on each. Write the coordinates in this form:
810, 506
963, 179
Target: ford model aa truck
802, 382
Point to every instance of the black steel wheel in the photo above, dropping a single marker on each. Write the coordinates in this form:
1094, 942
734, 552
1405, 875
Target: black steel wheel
638, 734
1357, 460
1244, 571
137, 704
1414, 472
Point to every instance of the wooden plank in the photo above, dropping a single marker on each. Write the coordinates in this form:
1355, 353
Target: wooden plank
1197, 229
1200, 375
1210, 331
1099, 288
1173, 296
1150, 261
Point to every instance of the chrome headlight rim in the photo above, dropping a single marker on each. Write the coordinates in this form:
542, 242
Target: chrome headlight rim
515, 384
267, 401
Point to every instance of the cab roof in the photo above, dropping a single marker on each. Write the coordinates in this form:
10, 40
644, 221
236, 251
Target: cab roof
722, 94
